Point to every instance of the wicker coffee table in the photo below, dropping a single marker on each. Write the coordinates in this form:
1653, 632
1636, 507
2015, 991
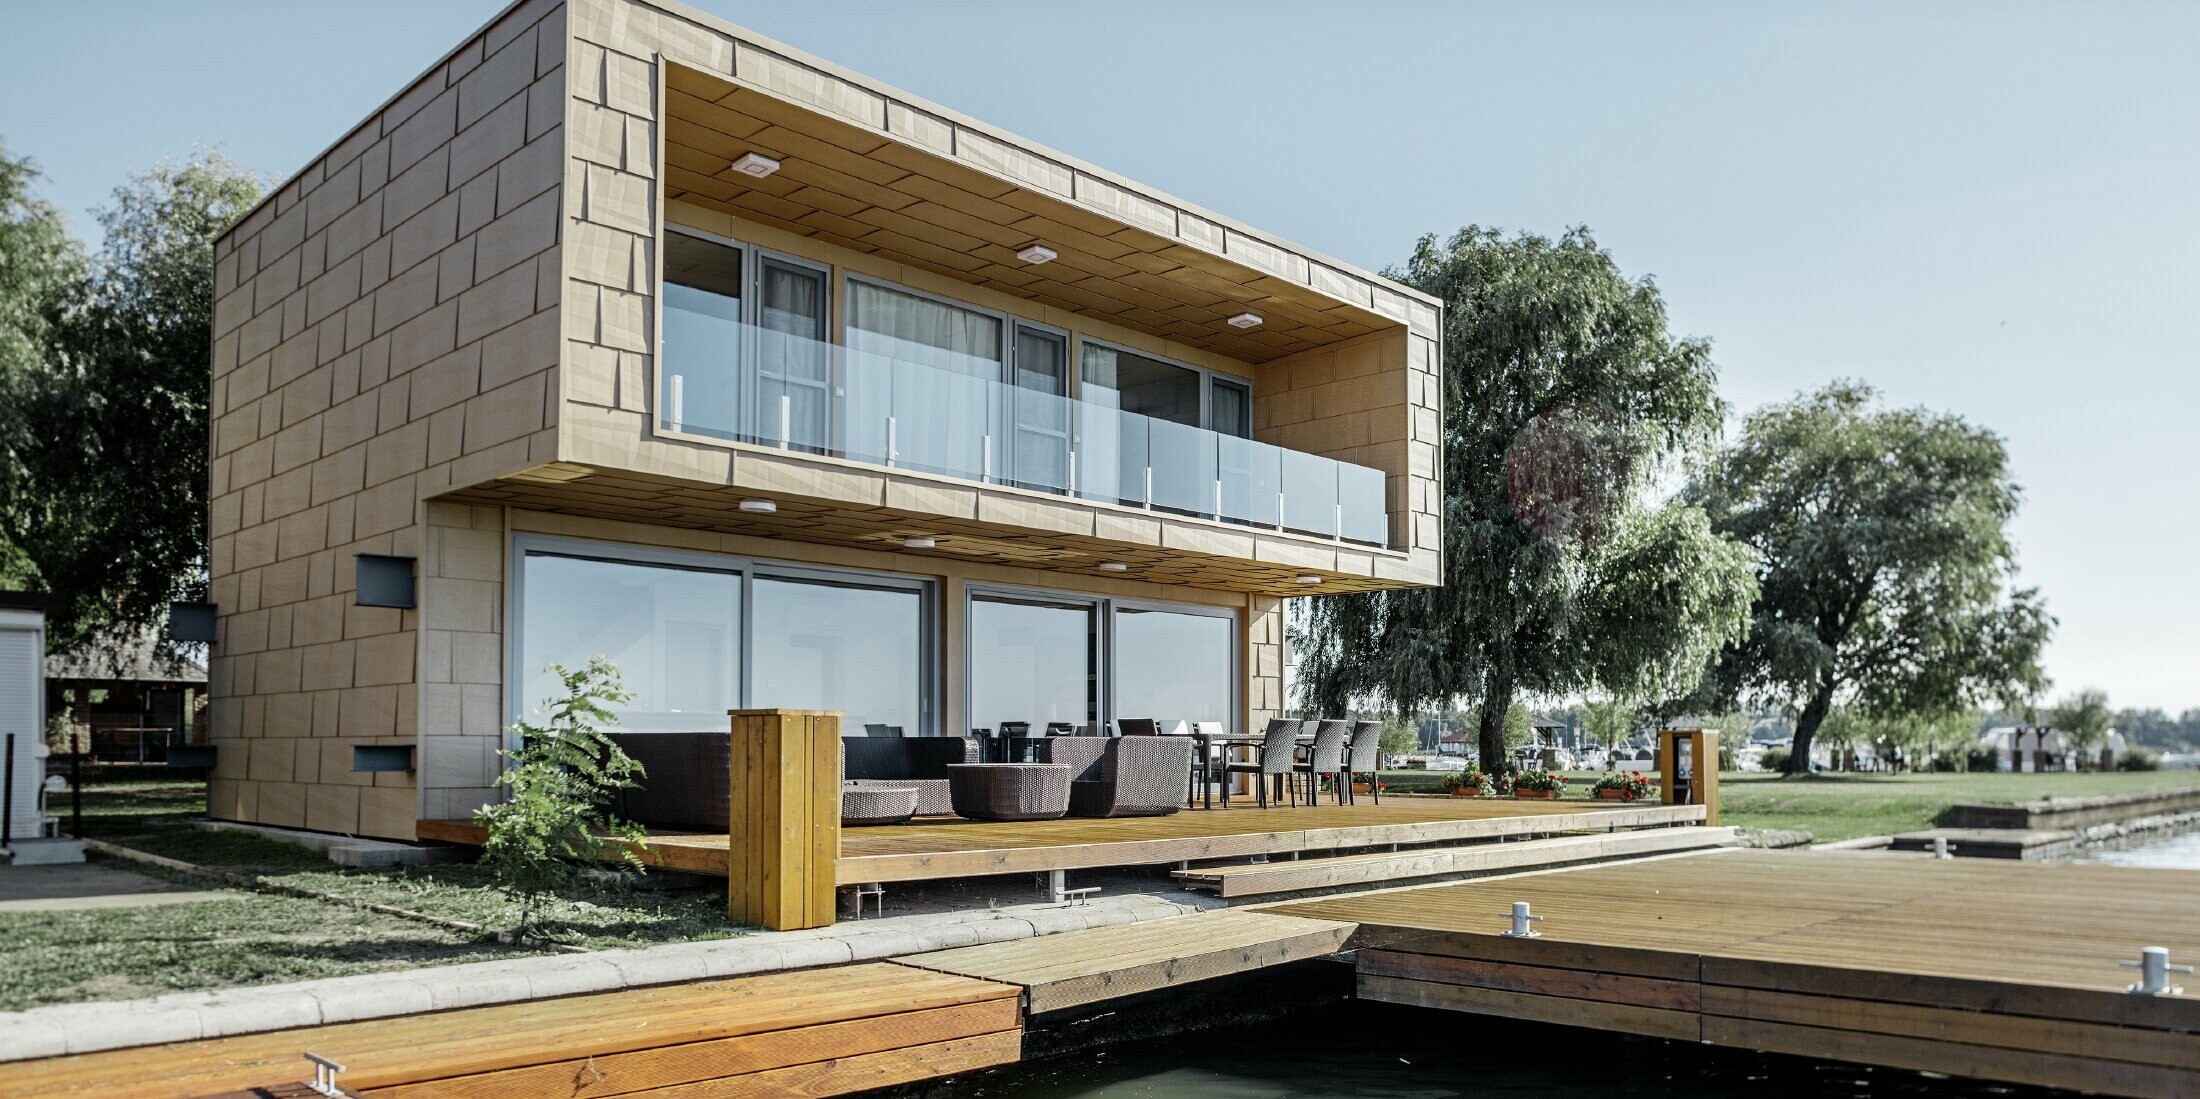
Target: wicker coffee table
876, 803
1009, 791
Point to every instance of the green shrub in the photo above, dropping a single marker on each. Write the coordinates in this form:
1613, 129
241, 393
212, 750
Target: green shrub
1398, 739
2139, 759
563, 778
1773, 759
1951, 760
1981, 757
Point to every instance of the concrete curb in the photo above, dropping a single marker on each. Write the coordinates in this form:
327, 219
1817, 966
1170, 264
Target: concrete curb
188, 1016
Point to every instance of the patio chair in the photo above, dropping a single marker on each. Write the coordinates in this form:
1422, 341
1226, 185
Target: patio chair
874, 729
1323, 757
1061, 728
1122, 776
1278, 753
1364, 757
1208, 767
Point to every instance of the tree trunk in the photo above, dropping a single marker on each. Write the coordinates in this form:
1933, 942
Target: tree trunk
1497, 697
1806, 726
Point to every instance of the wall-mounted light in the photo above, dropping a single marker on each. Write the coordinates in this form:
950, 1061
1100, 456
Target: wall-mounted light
759, 507
755, 165
1035, 253
1114, 566
919, 542
382, 581
1309, 578
1245, 320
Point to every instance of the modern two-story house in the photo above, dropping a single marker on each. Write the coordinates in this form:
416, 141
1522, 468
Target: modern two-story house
624, 331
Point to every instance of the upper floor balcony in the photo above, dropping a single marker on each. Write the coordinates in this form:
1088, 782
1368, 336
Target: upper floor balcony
926, 384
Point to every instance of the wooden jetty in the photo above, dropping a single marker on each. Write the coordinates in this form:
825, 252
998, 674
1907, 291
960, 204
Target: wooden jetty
2000, 970
818, 1032
1380, 867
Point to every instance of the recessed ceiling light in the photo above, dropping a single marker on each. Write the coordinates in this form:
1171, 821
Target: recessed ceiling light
1309, 578
920, 542
1114, 566
755, 165
1035, 253
760, 507
1245, 320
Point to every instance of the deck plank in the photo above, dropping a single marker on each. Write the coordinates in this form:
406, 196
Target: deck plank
1253, 879
1105, 963
388, 1054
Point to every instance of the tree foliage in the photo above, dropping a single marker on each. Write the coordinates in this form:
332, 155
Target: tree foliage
1564, 400
2084, 715
41, 268
104, 502
563, 780
1885, 563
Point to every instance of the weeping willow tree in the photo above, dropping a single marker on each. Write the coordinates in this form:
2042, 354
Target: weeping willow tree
1566, 402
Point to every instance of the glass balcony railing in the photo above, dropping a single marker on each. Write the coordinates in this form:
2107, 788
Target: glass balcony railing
956, 418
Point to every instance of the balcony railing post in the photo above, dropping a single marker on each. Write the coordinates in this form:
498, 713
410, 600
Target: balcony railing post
1073, 471
786, 420
676, 401
1149, 488
985, 459
1218, 499
892, 451
1280, 512
1339, 528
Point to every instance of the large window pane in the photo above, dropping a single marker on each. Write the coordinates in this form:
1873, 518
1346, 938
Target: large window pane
941, 368
1150, 387
1039, 445
702, 337
1031, 661
832, 646
1174, 666
674, 633
793, 380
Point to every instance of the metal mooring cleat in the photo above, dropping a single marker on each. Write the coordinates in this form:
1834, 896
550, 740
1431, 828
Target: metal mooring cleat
324, 1077
2154, 970
1520, 928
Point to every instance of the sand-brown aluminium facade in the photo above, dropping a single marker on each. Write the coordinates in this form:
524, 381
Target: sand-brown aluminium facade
442, 340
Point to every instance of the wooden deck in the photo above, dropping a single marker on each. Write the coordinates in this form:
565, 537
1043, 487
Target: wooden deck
934, 848
1107, 963
823, 1032
2000, 970
1383, 867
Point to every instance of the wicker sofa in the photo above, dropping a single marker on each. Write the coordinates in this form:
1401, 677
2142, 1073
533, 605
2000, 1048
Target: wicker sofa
1122, 776
685, 780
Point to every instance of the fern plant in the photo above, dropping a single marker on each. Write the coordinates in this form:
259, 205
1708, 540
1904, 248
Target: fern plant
562, 780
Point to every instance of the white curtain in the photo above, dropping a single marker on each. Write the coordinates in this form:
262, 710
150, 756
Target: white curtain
941, 367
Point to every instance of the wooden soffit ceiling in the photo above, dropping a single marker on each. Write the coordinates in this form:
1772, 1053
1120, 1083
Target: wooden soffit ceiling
864, 190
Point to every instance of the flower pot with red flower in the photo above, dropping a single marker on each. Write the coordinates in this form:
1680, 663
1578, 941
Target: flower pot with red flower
1624, 786
1537, 784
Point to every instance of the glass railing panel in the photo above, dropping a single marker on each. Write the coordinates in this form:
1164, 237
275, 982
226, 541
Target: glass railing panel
1309, 493
1182, 458
1364, 494
894, 406
1252, 476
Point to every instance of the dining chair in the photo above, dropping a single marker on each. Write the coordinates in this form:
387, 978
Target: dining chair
1278, 754
1325, 756
1206, 766
1137, 726
1364, 757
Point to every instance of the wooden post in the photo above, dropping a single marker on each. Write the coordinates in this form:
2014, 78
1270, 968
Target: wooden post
783, 835
1703, 769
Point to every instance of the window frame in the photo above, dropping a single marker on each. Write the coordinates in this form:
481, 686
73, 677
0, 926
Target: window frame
753, 259
1207, 379
750, 569
1105, 607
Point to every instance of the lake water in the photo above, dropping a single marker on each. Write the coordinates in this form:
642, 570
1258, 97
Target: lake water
1391, 1052
2177, 851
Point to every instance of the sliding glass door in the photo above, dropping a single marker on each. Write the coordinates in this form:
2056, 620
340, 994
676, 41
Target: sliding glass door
695, 635
1174, 665
839, 645
1033, 659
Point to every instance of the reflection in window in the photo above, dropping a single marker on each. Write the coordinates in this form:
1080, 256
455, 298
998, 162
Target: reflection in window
1175, 666
832, 646
1031, 660
702, 336
1135, 383
673, 632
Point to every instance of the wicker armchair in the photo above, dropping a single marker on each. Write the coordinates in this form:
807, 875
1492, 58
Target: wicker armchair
1363, 757
1123, 776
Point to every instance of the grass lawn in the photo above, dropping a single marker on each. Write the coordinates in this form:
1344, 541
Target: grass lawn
59, 957
1845, 806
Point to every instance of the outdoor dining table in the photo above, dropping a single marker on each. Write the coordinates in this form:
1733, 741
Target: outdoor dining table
1202, 741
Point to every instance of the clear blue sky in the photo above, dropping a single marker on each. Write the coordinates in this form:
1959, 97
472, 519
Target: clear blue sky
1992, 208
